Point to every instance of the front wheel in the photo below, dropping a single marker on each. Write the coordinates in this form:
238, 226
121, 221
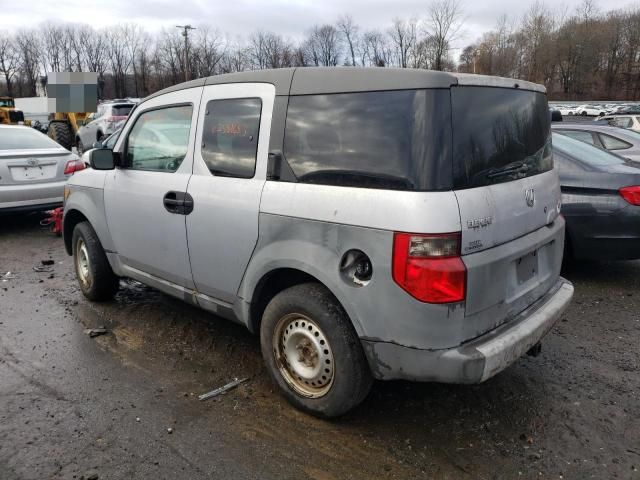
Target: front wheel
312, 351
97, 280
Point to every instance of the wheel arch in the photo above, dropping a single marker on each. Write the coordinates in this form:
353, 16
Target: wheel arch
71, 218
279, 277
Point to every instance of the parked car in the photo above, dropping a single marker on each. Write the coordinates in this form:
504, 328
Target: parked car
567, 109
632, 122
110, 116
591, 110
33, 170
600, 201
337, 213
625, 143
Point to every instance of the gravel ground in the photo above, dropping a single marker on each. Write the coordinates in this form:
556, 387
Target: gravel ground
72, 406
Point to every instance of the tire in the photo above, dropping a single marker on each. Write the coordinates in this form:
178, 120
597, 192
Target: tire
61, 133
322, 347
95, 277
584, 114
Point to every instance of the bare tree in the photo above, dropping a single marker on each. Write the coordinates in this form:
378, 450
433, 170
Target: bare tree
404, 36
9, 61
349, 30
324, 45
30, 52
444, 21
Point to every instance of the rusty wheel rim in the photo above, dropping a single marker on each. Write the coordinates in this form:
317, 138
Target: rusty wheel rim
82, 264
303, 355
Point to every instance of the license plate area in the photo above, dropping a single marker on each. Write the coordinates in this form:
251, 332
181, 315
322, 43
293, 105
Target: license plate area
25, 174
527, 267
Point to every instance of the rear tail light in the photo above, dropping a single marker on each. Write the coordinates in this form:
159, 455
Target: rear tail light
74, 166
631, 194
429, 267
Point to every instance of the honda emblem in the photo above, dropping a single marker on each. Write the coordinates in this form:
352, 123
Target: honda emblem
530, 197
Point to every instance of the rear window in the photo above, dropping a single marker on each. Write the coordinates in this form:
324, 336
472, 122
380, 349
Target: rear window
499, 135
121, 110
24, 138
397, 140
584, 152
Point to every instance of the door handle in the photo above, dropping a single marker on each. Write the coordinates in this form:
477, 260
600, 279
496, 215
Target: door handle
180, 203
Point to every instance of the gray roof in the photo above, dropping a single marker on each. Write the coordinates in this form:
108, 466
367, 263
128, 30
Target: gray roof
314, 80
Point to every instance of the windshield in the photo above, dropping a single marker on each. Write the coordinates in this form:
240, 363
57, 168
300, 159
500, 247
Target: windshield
584, 152
6, 102
499, 135
24, 139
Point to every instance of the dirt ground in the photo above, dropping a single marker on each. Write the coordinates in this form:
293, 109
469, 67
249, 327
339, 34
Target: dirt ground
76, 407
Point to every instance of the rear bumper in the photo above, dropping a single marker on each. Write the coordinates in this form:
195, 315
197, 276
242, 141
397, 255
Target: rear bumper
31, 196
478, 359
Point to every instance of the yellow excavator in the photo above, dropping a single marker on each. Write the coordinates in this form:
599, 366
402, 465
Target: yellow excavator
64, 126
9, 115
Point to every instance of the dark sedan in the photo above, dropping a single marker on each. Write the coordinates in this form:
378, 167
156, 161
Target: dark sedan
600, 201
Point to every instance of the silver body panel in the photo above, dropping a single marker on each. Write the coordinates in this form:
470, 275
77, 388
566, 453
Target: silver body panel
242, 230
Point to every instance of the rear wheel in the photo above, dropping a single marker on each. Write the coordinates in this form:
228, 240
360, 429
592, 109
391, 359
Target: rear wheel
61, 133
97, 280
312, 351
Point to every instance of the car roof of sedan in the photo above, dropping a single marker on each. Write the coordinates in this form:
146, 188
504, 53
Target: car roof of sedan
586, 126
325, 80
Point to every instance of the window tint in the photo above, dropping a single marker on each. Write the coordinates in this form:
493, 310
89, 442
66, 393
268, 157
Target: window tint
584, 152
578, 135
390, 140
121, 110
159, 139
612, 143
230, 136
24, 138
499, 135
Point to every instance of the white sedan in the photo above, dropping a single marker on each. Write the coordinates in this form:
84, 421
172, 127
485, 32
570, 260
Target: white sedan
591, 110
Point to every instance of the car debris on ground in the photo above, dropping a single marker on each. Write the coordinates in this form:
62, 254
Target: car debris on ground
95, 332
223, 389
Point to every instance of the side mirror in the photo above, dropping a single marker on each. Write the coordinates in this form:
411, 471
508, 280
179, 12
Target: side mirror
102, 159
274, 165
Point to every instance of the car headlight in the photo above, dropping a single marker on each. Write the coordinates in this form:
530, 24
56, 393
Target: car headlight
67, 191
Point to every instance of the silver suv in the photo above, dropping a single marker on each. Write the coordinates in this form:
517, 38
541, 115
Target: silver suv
367, 223
109, 117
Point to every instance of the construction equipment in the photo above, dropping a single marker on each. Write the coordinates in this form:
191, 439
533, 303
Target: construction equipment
9, 115
63, 127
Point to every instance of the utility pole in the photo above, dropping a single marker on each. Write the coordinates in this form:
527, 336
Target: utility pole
185, 34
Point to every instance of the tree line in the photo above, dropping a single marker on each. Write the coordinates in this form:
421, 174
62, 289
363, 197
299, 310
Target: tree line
581, 54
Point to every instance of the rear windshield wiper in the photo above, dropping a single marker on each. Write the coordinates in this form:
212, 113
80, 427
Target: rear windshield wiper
508, 170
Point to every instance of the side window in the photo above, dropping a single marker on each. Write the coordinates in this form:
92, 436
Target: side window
230, 136
612, 143
624, 122
579, 135
159, 139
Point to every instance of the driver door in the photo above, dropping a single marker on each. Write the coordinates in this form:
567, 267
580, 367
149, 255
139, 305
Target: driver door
144, 198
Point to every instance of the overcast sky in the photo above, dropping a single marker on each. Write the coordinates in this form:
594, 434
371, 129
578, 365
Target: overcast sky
240, 17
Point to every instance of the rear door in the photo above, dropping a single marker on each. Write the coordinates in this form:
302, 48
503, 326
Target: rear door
503, 165
507, 193
230, 165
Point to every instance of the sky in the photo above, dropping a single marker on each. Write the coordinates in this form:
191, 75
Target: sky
291, 18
